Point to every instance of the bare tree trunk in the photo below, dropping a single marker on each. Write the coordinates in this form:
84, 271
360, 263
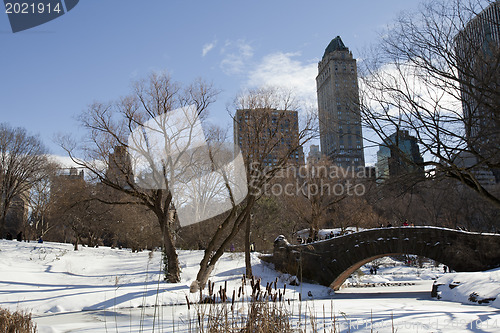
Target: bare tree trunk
248, 262
3, 219
171, 260
77, 240
2, 226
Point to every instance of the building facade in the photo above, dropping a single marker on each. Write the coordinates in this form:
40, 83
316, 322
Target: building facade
477, 49
341, 136
267, 135
399, 155
467, 161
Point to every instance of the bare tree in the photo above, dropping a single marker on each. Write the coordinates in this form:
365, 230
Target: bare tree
423, 77
263, 113
22, 164
138, 145
355, 212
73, 206
320, 186
40, 203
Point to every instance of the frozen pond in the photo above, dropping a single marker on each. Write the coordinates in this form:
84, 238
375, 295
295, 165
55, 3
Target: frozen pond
405, 308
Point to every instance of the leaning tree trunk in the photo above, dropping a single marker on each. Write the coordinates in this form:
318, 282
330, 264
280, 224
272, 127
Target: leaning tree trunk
213, 252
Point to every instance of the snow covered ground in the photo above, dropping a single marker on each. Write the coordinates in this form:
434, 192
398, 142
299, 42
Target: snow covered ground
103, 290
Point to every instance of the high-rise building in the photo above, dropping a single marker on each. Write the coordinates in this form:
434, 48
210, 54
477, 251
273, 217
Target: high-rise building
399, 155
314, 154
341, 136
477, 49
266, 135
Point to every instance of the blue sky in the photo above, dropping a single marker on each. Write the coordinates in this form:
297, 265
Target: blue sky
50, 73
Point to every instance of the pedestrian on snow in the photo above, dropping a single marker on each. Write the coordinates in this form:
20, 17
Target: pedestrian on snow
19, 236
445, 268
371, 270
252, 247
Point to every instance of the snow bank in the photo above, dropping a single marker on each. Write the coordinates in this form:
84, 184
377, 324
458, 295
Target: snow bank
470, 288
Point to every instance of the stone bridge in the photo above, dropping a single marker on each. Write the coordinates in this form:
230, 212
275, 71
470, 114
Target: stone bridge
330, 262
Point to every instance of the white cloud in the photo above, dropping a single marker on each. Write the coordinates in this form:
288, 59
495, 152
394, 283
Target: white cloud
208, 47
63, 161
427, 94
236, 56
281, 69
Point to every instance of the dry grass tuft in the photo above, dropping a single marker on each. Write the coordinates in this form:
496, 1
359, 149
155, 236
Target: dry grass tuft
16, 322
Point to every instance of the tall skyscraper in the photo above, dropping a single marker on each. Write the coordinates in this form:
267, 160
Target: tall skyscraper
264, 135
341, 136
478, 52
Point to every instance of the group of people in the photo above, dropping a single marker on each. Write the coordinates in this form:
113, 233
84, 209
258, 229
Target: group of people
405, 224
316, 238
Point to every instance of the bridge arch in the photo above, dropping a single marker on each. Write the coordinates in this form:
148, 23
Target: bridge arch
331, 262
